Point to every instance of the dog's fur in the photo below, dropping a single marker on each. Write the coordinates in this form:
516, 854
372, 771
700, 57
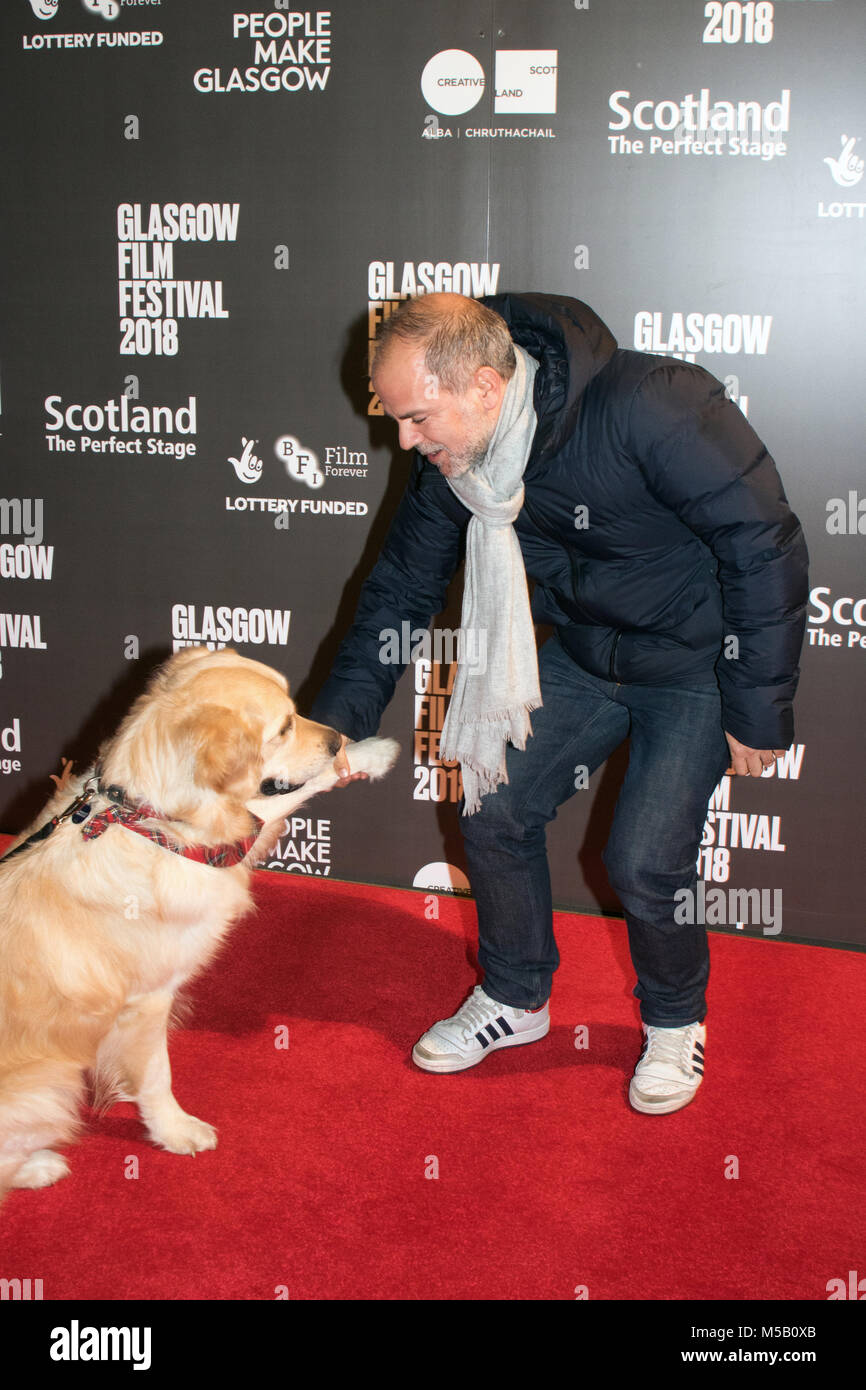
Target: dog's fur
97, 936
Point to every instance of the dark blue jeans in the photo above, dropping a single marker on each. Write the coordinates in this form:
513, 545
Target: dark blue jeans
678, 753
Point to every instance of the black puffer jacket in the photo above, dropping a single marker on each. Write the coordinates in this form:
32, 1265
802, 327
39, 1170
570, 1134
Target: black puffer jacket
686, 540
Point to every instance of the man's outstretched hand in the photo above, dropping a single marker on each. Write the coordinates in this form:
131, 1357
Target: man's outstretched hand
344, 771
750, 762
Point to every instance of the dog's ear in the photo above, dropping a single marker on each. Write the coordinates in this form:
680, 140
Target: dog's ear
226, 747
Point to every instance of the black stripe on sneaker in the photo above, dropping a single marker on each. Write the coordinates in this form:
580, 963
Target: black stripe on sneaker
492, 1031
483, 1041
699, 1048
504, 1026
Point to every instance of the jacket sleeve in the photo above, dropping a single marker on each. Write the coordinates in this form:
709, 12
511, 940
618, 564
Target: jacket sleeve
407, 586
701, 457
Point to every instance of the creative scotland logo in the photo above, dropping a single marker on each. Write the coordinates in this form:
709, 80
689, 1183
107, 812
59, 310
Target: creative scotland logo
441, 877
454, 81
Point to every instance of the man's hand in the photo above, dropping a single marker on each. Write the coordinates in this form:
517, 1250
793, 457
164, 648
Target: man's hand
343, 770
750, 762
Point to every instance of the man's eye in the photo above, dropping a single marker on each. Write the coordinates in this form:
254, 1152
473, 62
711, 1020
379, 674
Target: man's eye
420, 420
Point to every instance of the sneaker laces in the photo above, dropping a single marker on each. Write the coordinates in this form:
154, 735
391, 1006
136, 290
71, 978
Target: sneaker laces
673, 1046
474, 1014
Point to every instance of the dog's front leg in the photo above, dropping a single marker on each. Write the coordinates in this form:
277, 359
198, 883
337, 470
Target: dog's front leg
137, 1052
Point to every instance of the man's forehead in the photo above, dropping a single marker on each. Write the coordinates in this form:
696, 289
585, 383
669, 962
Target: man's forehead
403, 381
400, 362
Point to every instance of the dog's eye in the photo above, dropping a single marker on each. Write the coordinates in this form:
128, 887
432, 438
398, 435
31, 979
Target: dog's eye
288, 726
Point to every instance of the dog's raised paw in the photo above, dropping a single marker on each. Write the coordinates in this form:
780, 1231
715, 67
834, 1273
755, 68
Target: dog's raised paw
375, 756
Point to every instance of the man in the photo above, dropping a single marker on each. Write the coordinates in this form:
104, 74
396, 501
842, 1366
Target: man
655, 528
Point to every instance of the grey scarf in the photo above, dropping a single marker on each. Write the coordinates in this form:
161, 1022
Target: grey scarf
497, 675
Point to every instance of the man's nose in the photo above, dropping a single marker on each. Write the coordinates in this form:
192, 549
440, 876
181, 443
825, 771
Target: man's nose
408, 434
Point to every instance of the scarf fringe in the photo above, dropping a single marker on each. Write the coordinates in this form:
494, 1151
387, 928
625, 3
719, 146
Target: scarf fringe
503, 716
514, 718
484, 780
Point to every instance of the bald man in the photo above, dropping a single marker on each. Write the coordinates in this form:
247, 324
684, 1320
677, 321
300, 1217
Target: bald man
654, 527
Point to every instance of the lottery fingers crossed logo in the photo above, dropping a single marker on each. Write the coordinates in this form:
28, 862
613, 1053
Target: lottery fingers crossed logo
846, 168
247, 467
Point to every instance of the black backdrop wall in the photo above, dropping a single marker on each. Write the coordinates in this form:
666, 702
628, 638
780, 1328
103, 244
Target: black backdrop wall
207, 209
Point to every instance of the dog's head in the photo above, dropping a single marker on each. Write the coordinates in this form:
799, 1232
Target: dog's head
214, 728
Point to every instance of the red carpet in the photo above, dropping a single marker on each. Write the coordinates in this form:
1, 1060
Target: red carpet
547, 1181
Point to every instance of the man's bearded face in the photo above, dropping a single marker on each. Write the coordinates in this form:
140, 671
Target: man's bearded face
451, 429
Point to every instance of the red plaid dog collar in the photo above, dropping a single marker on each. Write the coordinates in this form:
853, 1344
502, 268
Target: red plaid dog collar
121, 812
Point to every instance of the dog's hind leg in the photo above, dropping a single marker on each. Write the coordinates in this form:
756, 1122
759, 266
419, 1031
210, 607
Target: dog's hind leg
39, 1107
41, 1169
134, 1056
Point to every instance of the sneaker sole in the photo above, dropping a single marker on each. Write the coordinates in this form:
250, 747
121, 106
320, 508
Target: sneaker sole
660, 1107
453, 1062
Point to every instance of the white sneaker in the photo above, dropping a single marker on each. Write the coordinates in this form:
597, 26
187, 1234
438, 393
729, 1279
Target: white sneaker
670, 1069
476, 1030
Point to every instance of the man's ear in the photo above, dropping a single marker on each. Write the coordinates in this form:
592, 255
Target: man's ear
490, 387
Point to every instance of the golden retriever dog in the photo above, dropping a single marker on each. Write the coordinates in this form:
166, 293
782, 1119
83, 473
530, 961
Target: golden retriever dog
104, 919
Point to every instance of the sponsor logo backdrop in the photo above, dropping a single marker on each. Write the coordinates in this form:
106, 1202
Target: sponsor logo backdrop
208, 210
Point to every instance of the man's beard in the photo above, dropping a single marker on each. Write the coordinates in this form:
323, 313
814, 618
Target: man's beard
454, 465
